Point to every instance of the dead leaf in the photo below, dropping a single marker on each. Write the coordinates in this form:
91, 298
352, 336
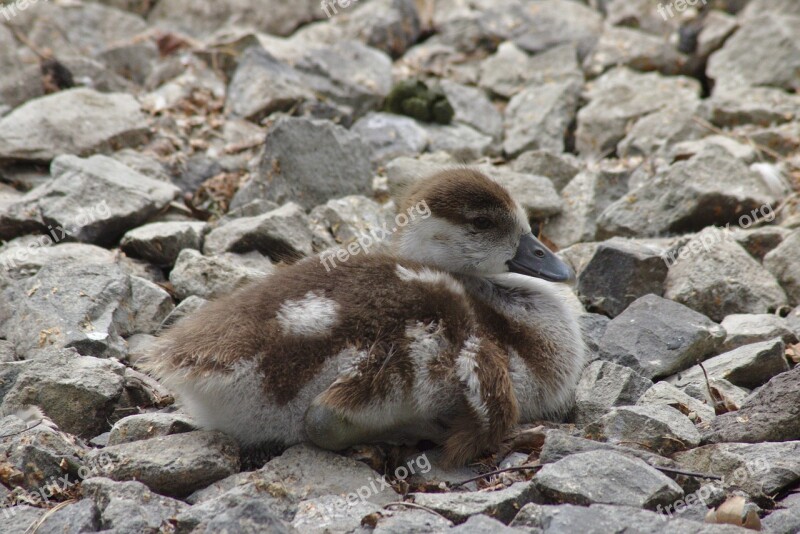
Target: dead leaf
735, 511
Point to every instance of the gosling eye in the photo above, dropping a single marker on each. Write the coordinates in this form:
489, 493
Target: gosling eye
482, 223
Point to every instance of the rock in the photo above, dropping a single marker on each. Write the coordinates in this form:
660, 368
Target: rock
559, 168
716, 276
148, 425
21, 259
77, 121
235, 513
22, 517
399, 521
660, 429
342, 220
620, 272
201, 21
309, 162
717, 27
687, 196
501, 504
773, 62
280, 234
480, 524
619, 98
635, 49
67, 207
87, 307
459, 140
659, 131
586, 195
639, 14
760, 470
732, 396
758, 242
605, 477
658, 337
601, 518
262, 85
744, 329
554, 22
177, 464
209, 277
389, 25
390, 136
604, 385
783, 521
749, 366
79, 393
535, 194
187, 306
161, 242
510, 70
151, 304
331, 513
81, 516
593, 326
688, 149
538, 117
129, 506
762, 106
37, 455
473, 109
663, 393
771, 413
784, 263
559, 444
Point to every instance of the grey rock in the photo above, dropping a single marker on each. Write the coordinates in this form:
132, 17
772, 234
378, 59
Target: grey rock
793, 320
658, 337
411, 521
604, 385
784, 521
560, 168
36, 454
187, 306
586, 195
331, 513
657, 132
756, 7
714, 275
473, 108
535, 194
481, 524
660, 429
309, 162
502, 504
733, 396
22, 259
202, 20
209, 277
772, 413
717, 27
620, 272
687, 196
76, 121
390, 136
605, 477
78, 393
22, 517
621, 96
593, 326
744, 329
174, 465
82, 516
262, 85
236, 512
92, 200
151, 304
760, 241
762, 106
635, 49
773, 62
161, 242
342, 220
639, 14
688, 149
510, 70
349, 73
149, 425
664, 393
459, 140
761, 470
129, 506
783, 262
538, 117
279, 234
555, 22
559, 444
602, 518
749, 366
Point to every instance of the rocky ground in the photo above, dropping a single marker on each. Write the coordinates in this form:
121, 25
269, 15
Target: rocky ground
155, 154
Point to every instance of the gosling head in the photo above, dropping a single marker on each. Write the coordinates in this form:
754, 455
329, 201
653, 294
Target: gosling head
466, 223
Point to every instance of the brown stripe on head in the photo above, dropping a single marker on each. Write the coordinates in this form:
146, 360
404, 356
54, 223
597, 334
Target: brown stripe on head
456, 194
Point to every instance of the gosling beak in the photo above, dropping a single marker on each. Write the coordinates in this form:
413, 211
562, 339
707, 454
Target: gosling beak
535, 259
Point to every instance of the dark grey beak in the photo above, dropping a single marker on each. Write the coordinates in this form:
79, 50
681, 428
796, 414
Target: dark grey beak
535, 259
